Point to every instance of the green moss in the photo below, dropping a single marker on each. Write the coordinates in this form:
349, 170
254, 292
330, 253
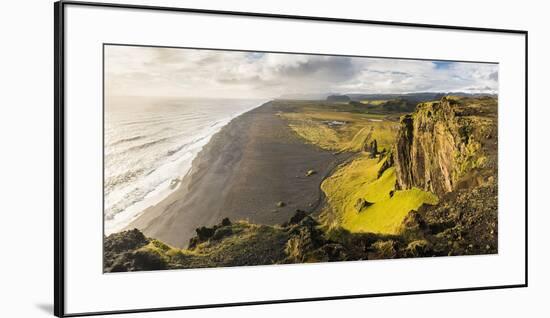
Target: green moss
387, 213
357, 181
150, 253
470, 157
343, 183
160, 245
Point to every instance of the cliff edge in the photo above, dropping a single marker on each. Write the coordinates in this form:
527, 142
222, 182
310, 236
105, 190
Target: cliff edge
446, 143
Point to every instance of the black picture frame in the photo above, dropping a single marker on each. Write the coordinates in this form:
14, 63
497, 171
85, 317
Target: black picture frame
59, 153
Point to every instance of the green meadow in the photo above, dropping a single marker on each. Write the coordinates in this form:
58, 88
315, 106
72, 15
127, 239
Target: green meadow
360, 196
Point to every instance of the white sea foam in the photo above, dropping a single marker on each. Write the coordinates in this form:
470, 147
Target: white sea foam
150, 144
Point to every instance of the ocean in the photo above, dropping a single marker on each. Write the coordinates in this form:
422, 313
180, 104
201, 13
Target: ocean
149, 145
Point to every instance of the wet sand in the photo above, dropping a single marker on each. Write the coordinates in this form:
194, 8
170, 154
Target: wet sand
253, 163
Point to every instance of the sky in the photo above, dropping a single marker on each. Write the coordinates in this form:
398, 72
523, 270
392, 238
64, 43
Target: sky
173, 72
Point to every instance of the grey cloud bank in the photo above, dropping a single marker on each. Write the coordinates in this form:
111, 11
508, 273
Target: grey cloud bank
150, 71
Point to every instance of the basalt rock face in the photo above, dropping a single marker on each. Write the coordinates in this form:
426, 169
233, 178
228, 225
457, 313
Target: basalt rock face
443, 143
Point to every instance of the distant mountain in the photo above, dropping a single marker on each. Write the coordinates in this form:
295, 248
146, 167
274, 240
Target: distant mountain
412, 97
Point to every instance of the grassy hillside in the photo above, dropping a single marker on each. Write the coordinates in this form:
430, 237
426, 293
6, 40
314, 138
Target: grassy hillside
360, 201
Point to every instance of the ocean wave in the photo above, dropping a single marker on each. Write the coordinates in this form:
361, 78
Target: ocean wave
161, 120
122, 178
124, 140
171, 152
139, 175
148, 144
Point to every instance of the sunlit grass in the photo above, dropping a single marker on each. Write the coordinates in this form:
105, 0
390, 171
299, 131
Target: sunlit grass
358, 181
357, 129
374, 102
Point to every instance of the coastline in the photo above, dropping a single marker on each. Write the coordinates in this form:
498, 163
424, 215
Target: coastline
366, 211
247, 169
124, 218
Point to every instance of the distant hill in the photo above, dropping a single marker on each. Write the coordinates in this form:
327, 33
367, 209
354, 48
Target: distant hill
338, 98
412, 97
402, 102
424, 96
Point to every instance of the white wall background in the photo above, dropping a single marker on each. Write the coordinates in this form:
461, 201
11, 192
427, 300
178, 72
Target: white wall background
26, 158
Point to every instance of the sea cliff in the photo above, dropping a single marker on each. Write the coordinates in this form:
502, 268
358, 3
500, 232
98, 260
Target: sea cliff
445, 141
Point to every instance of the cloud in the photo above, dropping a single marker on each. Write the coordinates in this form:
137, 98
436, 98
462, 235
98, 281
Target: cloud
210, 73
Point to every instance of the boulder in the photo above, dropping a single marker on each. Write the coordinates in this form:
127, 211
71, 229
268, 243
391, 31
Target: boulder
361, 204
204, 233
226, 222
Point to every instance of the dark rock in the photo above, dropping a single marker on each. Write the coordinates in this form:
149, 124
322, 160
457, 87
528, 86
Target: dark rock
386, 164
204, 233
222, 232
138, 260
384, 249
413, 222
373, 149
193, 242
226, 222
418, 248
148, 260
462, 222
124, 241
335, 252
361, 204
305, 239
297, 217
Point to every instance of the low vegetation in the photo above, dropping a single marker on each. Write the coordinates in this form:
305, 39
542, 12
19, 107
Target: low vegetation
341, 129
359, 181
463, 223
419, 187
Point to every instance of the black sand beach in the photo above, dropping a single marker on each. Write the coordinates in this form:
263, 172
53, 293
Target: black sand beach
244, 173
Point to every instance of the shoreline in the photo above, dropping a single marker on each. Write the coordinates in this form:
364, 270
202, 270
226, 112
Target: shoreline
162, 191
251, 165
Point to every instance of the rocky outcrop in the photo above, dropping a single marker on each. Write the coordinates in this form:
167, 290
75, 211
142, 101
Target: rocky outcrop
465, 222
373, 149
442, 142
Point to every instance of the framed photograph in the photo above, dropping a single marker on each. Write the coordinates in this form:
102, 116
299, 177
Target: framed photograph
208, 158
